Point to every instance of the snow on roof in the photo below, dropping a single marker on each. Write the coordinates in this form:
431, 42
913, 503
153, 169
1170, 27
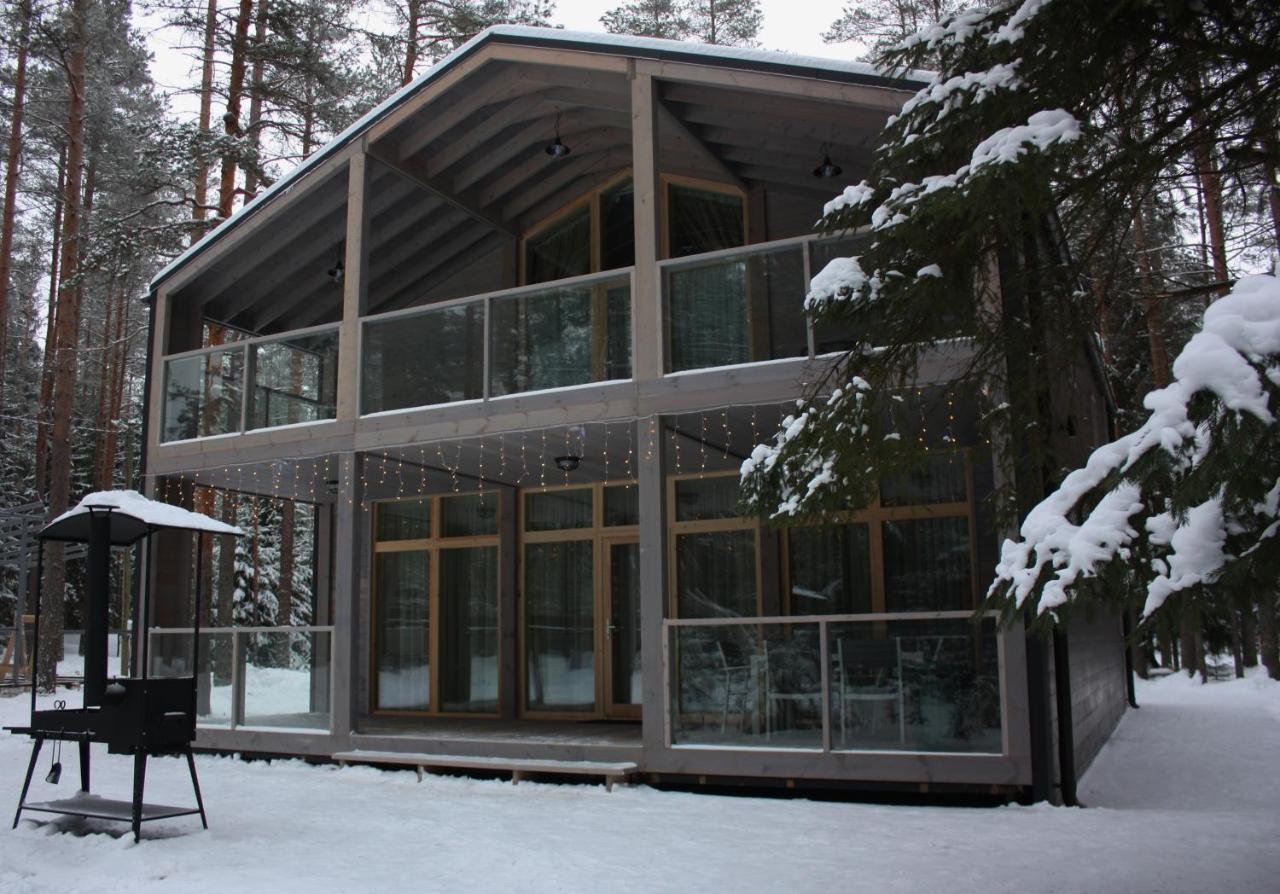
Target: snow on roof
582, 40
73, 524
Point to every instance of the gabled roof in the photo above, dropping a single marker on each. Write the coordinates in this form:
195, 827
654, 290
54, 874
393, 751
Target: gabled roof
554, 38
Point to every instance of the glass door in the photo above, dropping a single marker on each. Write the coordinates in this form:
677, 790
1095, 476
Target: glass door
622, 626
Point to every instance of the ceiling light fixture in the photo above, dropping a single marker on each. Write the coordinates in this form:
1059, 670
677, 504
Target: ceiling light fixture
336, 272
568, 463
557, 149
828, 168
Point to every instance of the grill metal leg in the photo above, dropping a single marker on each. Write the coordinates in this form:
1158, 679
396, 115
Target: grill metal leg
26, 783
139, 781
195, 784
84, 765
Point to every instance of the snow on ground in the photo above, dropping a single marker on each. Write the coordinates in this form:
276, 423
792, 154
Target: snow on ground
1185, 798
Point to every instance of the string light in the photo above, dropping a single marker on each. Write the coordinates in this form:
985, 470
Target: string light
502, 458
631, 449
606, 453
702, 445
724, 428
542, 471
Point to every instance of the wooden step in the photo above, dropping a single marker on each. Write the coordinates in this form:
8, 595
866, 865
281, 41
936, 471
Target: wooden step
519, 768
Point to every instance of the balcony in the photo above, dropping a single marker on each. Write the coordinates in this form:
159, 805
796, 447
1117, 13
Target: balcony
259, 677
719, 309
918, 682
251, 384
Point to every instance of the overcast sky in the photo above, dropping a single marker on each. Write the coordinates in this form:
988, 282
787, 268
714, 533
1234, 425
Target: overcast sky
793, 26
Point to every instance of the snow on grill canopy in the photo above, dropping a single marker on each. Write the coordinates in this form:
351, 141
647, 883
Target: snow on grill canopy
133, 517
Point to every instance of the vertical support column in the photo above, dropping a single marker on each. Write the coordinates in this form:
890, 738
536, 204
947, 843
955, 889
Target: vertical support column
646, 296
509, 694
355, 287
346, 599
653, 579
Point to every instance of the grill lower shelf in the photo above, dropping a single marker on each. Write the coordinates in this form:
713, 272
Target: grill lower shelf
92, 806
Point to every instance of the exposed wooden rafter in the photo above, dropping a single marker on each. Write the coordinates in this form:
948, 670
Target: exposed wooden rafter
416, 171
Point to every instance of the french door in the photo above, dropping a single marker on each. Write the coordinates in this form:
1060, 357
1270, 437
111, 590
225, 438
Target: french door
621, 607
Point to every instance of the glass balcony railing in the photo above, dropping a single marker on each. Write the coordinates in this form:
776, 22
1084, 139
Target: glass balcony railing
572, 332
910, 682
256, 383
261, 677
744, 305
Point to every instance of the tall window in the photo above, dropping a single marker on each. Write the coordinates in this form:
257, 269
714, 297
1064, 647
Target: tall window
713, 550
435, 605
911, 550
597, 232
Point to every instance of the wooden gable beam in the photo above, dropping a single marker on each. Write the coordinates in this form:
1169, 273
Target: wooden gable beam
415, 171
410, 284
441, 273
668, 118
388, 229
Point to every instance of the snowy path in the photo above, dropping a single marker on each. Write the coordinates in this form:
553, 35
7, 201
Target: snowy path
1185, 798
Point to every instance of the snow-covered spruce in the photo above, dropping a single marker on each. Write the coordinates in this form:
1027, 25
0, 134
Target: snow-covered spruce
1190, 499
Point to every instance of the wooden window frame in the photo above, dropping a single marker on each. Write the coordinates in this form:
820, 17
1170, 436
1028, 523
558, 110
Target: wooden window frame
590, 198
666, 181
600, 536
433, 545
704, 526
875, 515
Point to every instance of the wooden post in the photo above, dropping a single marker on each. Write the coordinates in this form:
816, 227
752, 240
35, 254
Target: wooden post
653, 578
646, 296
346, 584
354, 287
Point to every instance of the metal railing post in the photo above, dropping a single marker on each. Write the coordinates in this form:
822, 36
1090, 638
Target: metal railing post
825, 660
237, 679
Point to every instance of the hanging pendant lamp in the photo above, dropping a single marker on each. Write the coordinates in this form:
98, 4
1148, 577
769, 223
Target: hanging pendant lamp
557, 149
828, 168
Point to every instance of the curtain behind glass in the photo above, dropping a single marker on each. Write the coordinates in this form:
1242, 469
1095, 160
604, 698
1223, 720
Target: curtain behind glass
701, 220
927, 565
402, 631
558, 510
716, 574
423, 359
469, 629
707, 315
830, 569
617, 226
560, 626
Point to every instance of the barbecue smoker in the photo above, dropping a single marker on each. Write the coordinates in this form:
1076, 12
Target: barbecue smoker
141, 716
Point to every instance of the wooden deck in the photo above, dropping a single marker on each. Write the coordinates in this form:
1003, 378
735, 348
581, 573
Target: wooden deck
608, 742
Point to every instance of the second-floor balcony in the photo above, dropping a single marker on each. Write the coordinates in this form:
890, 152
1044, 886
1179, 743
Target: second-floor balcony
722, 308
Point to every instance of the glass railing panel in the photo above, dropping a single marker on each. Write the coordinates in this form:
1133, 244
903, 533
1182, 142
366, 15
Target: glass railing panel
736, 308
258, 676
286, 678
295, 379
169, 655
843, 332
915, 685
416, 360
203, 394
560, 336
747, 685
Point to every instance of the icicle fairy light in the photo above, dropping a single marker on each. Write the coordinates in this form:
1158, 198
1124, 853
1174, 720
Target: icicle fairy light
675, 444
524, 456
702, 445
502, 458
606, 453
480, 466
567, 450
631, 450
457, 464
651, 433
724, 431
542, 469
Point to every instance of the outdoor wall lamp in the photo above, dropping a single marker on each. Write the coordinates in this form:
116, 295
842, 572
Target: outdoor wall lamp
557, 149
568, 463
828, 168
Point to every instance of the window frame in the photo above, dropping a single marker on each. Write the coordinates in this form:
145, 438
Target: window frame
433, 545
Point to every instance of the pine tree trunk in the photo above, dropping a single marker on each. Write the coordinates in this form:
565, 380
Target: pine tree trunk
1151, 310
1237, 644
1268, 640
12, 166
1188, 631
231, 120
68, 326
1273, 187
1207, 171
255, 100
199, 210
414, 12
50, 330
1249, 633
